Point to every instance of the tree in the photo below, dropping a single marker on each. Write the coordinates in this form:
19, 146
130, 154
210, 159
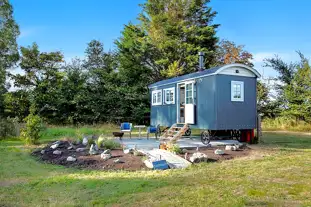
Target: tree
177, 31
228, 52
298, 92
9, 32
42, 77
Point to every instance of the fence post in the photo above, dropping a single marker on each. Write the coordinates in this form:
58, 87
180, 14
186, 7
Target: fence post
259, 130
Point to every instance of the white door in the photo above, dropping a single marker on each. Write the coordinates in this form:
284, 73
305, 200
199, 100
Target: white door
189, 103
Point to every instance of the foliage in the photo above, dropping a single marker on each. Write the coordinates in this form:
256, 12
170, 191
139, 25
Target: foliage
174, 148
285, 123
111, 144
228, 52
9, 32
17, 104
31, 133
177, 31
9, 127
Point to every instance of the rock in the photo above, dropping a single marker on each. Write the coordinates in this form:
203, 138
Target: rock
80, 149
107, 151
85, 141
128, 151
54, 146
42, 152
118, 161
184, 151
148, 164
198, 157
219, 152
57, 142
70, 148
71, 159
230, 147
57, 152
93, 149
105, 156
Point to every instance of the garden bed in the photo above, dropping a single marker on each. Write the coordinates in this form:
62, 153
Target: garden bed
128, 161
87, 161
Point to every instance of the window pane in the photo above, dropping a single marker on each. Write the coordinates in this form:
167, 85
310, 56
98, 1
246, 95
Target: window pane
159, 97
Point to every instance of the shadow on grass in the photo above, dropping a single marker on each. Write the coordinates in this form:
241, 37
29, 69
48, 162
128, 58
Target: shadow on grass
281, 140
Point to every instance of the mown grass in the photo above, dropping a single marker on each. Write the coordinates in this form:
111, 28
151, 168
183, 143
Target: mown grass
277, 173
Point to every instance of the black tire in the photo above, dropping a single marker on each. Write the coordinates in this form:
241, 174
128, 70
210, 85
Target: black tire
205, 137
236, 134
188, 132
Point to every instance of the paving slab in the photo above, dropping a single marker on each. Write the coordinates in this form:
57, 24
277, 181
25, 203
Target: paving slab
152, 143
174, 161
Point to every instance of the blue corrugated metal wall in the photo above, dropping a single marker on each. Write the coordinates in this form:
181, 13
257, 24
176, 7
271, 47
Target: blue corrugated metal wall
236, 115
165, 115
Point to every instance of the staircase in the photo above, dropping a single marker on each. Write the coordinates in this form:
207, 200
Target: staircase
175, 132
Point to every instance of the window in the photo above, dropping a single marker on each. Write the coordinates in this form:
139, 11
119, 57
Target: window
237, 91
169, 96
157, 97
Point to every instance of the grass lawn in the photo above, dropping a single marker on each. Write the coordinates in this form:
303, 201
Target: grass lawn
276, 174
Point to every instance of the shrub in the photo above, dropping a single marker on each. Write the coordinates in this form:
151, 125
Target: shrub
110, 144
174, 148
31, 133
100, 141
9, 128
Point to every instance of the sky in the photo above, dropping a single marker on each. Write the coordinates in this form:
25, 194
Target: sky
265, 27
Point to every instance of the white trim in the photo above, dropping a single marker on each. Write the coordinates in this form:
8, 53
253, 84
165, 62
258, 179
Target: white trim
217, 72
156, 103
240, 66
241, 83
164, 94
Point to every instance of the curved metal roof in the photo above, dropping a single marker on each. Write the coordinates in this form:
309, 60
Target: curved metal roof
211, 71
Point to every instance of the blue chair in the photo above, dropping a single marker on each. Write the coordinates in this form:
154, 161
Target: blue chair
152, 129
126, 127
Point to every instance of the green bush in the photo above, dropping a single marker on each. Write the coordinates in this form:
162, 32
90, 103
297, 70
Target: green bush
174, 148
31, 133
9, 128
110, 144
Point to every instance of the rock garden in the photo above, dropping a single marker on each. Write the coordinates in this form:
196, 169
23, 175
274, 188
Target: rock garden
101, 153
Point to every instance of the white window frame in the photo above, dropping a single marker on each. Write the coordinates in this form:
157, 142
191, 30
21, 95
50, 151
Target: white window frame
171, 90
241, 83
156, 103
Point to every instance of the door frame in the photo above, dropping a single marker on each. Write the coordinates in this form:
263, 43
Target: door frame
177, 97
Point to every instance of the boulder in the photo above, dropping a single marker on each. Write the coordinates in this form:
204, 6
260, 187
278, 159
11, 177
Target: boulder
42, 152
93, 149
71, 159
80, 149
231, 147
57, 152
105, 156
118, 161
85, 141
198, 157
128, 151
54, 146
148, 164
219, 152
107, 151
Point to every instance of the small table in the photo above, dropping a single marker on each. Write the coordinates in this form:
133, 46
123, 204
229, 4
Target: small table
139, 127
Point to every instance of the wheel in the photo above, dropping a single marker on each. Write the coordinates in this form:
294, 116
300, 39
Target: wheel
188, 132
205, 137
236, 134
